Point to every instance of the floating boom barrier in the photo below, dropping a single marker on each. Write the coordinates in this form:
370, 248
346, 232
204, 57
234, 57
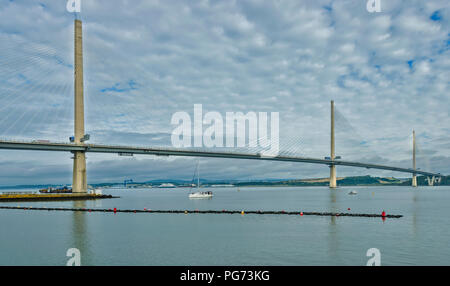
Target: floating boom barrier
149, 211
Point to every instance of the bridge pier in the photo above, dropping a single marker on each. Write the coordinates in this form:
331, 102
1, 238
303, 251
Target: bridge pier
431, 182
79, 184
333, 177
414, 181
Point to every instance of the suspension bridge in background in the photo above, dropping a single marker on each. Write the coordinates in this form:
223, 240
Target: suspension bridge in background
79, 147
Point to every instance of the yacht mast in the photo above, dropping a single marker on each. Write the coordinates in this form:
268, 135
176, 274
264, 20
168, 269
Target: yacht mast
198, 175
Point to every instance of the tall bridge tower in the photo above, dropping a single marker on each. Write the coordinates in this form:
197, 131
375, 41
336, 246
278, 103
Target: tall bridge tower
332, 155
414, 177
79, 184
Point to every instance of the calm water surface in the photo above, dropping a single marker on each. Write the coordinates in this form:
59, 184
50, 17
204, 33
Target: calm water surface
419, 238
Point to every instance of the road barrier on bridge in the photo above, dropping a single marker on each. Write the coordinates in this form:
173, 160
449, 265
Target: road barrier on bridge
241, 212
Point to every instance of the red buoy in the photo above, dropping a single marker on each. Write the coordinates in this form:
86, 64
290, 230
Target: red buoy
301, 213
115, 210
383, 214
348, 209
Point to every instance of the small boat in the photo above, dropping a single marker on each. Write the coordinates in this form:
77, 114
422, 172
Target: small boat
50, 190
201, 195
198, 194
96, 191
167, 185
353, 193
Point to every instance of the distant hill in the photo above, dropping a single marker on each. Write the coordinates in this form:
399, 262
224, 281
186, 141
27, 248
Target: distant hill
342, 181
348, 181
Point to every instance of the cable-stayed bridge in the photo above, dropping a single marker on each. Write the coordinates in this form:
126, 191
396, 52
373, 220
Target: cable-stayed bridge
79, 147
167, 151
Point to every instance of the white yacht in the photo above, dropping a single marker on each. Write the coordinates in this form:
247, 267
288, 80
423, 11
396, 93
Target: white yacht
201, 195
198, 194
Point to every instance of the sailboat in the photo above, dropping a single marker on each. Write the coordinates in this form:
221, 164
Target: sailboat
198, 194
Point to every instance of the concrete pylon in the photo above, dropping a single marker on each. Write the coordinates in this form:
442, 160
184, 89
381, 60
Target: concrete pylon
79, 184
414, 177
431, 180
332, 155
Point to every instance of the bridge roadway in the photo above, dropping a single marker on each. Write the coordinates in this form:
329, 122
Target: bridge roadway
164, 151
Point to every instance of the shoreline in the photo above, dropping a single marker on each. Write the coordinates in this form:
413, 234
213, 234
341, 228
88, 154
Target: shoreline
52, 197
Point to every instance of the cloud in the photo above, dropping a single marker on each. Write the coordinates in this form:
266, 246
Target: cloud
145, 60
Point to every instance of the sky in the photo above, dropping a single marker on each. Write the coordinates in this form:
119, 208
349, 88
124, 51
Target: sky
387, 72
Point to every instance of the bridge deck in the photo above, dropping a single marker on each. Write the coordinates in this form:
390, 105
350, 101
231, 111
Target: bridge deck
160, 151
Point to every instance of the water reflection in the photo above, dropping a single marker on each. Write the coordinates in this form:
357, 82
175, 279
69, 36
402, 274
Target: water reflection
333, 241
414, 212
79, 233
419, 238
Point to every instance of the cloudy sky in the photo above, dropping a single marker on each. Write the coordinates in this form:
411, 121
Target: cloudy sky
388, 73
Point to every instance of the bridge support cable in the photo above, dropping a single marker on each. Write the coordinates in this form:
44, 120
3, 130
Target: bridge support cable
17, 97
